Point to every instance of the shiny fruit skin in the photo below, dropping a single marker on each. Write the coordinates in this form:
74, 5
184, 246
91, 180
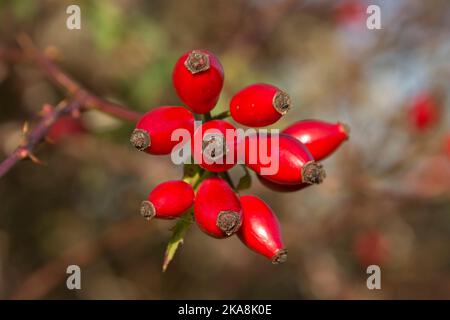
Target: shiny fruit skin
296, 165
200, 90
168, 200
320, 138
281, 187
260, 230
215, 127
158, 125
257, 106
214, 197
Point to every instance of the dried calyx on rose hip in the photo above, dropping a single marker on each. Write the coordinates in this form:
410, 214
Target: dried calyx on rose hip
260, 230
168, 200
198, 80
259, 105
320, 138
217, 209
289, 163
154, 129
214, 146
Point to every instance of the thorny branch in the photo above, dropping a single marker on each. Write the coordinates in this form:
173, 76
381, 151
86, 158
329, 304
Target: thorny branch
79, 99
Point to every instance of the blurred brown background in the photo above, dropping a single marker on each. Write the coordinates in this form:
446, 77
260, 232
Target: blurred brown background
386, 199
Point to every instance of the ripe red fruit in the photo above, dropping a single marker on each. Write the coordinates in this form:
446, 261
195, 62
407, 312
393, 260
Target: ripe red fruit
217, 208
214, 142
294, 163
198, 80
424, 112
281, 187
64, 127
168, 200
259, 105
260, 230
153, 131
320, 137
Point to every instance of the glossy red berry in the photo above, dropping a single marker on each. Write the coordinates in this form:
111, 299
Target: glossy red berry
260, 230
424, 112
281, 187
168, 200
293, 165
217, 208
259, 105
198, 80
153, 131
320, 137
214, 146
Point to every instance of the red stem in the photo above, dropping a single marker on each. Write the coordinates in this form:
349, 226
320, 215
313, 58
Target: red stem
81, 99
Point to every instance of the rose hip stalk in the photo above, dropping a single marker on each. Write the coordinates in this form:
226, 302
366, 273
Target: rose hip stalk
260, 230
198, 80
320, 138
214, 146
217, 209
153, 131
259, 105
168, 200
295, 165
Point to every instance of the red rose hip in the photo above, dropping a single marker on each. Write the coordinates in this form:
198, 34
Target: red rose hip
168, 200
154, 130
424, 112
217, 209
281, 187
289, 162
64, 127
214, 146
320, 138
260, 230
259, 105
198, 80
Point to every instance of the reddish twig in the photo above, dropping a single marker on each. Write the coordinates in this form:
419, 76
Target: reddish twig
72, 87
32, 138
81, 99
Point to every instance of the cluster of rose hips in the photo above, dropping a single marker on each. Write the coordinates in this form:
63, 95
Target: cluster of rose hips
218, 209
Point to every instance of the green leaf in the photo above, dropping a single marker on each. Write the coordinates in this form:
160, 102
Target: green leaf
176, 240
245, 181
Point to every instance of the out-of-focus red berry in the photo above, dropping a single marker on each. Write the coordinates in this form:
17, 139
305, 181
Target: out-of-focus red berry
370, 247
350, 12
64, 127
423, 112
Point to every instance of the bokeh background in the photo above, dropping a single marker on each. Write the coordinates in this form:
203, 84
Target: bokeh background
386, 199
